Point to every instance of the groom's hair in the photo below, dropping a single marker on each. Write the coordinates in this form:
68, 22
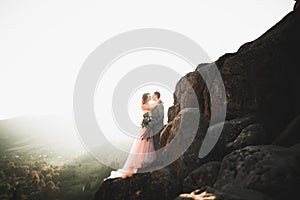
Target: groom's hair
157, 94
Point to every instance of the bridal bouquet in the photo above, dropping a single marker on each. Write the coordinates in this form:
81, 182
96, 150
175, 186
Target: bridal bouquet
146, 120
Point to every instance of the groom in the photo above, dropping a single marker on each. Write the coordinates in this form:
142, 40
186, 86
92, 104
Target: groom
157, 119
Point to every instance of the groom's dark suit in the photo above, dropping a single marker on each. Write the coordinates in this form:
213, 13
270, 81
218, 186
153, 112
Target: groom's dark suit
157, 123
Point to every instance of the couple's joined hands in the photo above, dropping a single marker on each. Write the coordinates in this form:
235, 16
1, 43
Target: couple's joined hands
143, 137
146, 135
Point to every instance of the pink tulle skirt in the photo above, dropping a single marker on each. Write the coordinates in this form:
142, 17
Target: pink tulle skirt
142, 152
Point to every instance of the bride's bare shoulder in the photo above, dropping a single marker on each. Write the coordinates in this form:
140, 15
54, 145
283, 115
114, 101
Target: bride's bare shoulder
146, 107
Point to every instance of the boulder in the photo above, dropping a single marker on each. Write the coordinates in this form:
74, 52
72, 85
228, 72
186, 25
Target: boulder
205, 175
159, 184
269, 169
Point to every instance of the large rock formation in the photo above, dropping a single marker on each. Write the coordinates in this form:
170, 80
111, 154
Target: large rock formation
257, 154
272, 170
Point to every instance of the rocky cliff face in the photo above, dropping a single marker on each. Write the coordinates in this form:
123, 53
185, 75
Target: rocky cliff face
258, 153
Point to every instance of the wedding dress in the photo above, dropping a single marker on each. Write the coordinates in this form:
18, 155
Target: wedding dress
142, 152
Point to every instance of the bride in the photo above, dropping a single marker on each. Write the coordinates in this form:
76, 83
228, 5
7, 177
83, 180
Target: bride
142, 151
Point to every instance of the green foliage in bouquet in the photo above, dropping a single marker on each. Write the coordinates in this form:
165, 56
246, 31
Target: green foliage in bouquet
146, 120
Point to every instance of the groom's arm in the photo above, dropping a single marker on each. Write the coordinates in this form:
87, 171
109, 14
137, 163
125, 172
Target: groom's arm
157, 115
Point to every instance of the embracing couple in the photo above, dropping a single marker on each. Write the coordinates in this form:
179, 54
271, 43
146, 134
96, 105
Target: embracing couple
143, 149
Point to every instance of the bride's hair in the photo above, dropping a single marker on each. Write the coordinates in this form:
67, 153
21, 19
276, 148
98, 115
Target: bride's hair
145, 97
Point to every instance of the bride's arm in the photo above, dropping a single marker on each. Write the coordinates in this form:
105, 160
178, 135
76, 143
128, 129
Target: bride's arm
147, 107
